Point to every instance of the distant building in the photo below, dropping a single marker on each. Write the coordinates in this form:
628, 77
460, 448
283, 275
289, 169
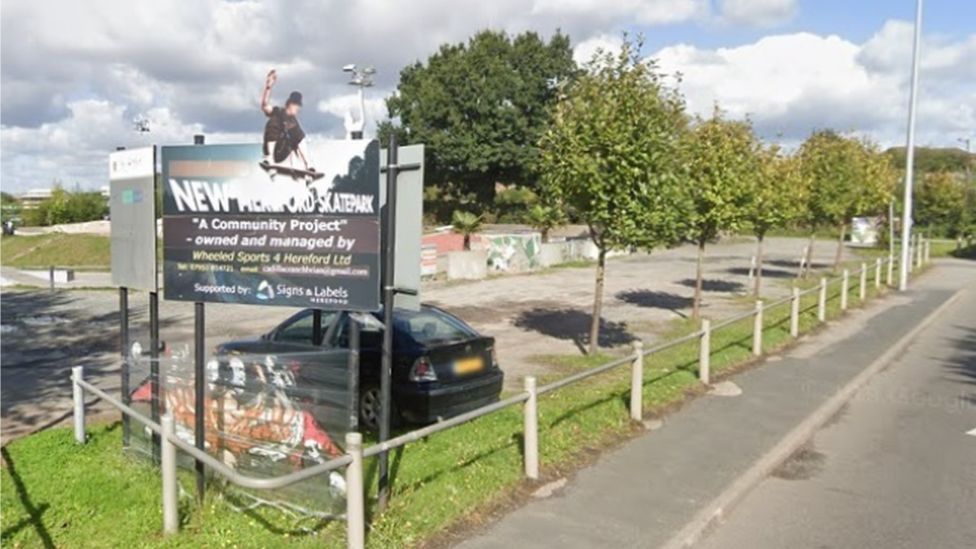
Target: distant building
30, 199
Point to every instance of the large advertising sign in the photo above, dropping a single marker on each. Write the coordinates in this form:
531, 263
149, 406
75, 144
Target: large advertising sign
243, 224
132, 205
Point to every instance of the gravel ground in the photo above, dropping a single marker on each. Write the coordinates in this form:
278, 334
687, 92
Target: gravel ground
45, 333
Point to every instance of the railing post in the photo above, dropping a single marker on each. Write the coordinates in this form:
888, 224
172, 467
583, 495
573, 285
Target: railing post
705, 352
822, 301
78, 399
355, 493
845, 282
757, 329
862, 290
795, 313
171, 512
891, 270
877, 273
637, 382
531, 435
928, 251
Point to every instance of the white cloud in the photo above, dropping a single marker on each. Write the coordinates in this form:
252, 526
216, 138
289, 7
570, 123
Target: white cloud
72, 83
791, 84
758, 13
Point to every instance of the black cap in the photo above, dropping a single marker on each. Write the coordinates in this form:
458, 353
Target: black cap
295, 98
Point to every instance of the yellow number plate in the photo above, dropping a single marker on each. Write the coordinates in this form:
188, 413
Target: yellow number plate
468, 365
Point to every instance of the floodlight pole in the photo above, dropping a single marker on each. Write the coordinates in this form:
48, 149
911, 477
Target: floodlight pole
199, 379
906, 223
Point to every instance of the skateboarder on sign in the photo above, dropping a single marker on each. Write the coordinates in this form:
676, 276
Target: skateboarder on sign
283, 135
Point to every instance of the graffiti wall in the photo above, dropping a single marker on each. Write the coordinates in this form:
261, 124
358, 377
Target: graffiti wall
512, 253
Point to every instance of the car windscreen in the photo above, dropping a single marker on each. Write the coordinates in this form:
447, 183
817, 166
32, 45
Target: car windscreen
429, 327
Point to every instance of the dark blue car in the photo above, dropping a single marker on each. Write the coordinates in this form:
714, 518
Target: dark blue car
441, 366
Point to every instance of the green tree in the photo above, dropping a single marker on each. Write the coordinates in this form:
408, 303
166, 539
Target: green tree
544, 218
848, 177
940, 204
778, 196
721, 156
612, 156
466, 224
481, 108
67, 207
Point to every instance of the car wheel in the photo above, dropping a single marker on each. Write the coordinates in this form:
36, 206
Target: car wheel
370, 408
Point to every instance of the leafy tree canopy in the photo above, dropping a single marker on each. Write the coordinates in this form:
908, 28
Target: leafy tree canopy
481, 108
612, 154
721, 156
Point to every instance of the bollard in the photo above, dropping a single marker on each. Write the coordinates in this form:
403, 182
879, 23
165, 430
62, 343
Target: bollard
355, 493
171, 510
928, 251
795, 313
918, 253
877, 273
757, 329
78, 399
845, 282
51, 275
637, 382
822, 301
891, 270
862, 291
531, 435
705, 352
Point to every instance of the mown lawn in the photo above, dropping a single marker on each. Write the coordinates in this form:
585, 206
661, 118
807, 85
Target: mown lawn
56, 494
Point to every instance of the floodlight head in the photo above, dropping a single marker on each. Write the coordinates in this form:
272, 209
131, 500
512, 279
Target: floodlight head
369, 70
349, 68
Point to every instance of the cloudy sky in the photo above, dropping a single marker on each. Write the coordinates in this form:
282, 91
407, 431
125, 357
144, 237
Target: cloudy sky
75, 74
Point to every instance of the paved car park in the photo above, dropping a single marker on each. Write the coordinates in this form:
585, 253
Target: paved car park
45, 333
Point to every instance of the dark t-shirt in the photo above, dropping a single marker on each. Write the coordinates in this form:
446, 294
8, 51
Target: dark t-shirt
285, 131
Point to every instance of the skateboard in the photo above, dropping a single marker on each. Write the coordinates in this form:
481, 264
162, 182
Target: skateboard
295, 173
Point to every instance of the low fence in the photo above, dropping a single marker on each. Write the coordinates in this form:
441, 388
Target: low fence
354, 455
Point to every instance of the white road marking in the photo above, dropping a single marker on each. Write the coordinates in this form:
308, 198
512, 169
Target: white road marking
973, 432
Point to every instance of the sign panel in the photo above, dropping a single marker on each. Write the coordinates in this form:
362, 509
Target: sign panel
238, 228
132, 205
409, 222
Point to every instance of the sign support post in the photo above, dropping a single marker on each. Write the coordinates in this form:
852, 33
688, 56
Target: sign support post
389, 247
199, 375
124, 344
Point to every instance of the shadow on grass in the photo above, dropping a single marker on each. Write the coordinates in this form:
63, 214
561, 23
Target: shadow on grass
35, 513
623, 395
573, 325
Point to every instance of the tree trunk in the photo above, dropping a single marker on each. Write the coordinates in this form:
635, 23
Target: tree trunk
545, 236
808, 264
757, 290
698, 280
601, 269
840, 246
467, 242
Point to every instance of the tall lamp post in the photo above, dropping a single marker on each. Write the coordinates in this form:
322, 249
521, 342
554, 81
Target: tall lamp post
906, 222
362, 79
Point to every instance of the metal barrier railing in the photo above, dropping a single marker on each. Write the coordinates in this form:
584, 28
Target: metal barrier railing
355, 453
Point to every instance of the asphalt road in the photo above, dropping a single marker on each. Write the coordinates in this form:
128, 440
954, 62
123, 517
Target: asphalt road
895, 469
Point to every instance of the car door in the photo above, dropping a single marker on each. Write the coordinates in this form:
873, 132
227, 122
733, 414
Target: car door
321, 372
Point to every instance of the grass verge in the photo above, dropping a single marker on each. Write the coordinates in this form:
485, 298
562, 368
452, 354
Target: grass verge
56, 494
59, 249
